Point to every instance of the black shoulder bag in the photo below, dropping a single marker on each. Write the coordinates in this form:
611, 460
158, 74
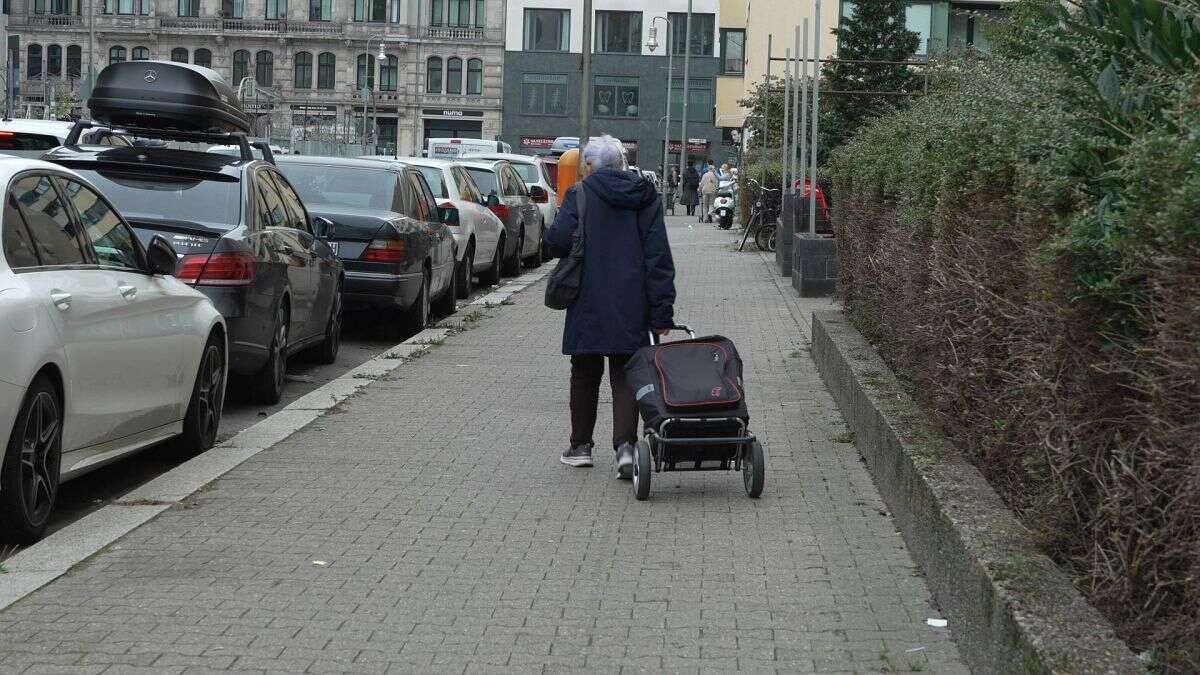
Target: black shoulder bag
567, 277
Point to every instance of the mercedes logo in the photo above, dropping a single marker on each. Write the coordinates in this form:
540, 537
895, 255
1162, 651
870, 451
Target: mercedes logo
150, 76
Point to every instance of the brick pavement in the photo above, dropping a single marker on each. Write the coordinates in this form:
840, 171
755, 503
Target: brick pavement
454, 540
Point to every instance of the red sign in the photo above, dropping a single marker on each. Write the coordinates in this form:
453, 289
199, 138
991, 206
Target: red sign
693, 147
537, 142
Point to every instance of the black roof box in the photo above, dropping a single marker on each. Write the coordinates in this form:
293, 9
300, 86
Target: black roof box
166, 95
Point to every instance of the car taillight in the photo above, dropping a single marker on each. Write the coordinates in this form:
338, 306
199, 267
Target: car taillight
218, 269
385, 251
501, 210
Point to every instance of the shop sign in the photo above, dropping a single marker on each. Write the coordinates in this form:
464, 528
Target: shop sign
537, 142
695, 146
451, 112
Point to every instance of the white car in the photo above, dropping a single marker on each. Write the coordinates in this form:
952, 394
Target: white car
32, 138
534, 171
104, 352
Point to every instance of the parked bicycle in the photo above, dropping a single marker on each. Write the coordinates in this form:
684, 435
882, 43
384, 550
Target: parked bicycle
762, 224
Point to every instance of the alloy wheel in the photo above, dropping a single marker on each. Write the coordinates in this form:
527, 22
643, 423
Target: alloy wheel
211, 392
39, 457
281, 336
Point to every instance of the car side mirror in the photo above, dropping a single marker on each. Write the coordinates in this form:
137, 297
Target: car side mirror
161, 257
448, 215
539, 194
323, 227
492, 200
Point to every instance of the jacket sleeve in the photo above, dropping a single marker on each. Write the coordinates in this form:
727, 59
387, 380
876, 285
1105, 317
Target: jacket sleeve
558, 237
660, 269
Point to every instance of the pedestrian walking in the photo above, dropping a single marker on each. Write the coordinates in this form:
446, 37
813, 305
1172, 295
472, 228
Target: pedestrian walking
672, 189
691, 187
708, 191
628, 290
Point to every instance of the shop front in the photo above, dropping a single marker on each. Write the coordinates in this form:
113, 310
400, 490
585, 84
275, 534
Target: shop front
451, 123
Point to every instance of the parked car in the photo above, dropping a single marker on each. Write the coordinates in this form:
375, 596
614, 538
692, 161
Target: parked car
104, 352
246, 241
535, 172
512, 202
32, 138
388, 231
478, 233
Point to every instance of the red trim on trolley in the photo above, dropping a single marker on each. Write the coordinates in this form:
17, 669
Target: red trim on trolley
662, 378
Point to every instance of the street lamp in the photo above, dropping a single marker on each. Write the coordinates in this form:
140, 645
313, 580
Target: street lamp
652, 43
367, 88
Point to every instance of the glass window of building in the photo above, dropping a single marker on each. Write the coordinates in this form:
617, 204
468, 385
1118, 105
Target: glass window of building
74, 61
233, 9
276, 9
700, 100
480, 13
388, 73
202, 57
320, 10
454, 75
179, 55
615, 96
733, 51
139, 54
547, 30
437, 15
241, 66
33, 60
326, 70
366, 72
264, 68
115, 55
544, 94
53, 61
619, 32
460, 13
703, 27
302, 78
188, 8
474, 77
433, 75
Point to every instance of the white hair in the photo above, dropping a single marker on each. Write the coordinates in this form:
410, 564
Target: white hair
604, 152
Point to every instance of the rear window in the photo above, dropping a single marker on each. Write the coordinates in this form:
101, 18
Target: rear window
551, 173
358, 187
437, 182
214, 203
528, 172
21, 142
486, 180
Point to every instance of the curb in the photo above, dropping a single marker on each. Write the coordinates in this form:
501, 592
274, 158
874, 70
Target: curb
1010, 607
55, 555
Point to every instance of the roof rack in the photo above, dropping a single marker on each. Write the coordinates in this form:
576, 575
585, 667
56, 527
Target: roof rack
213, 137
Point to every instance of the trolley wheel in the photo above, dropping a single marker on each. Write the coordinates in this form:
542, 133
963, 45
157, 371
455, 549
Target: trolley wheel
641, 470
754, 469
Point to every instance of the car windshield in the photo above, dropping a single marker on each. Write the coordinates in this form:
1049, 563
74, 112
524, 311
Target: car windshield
485, 179
437, 183
215, 203
529, 172
359, 187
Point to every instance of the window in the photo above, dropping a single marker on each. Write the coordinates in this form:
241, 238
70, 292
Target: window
460, 13
436, 17
543, 94
615, 96
435, 179
111, 239
53, 61
547, 30
388, 71
702, 33
39, 6
264, 68
179, 55
296, 216
50, 226
125, 7
700, 100
139, 54
33, 60
303, 78
373, 11
733, 51
60, 6
18, 247
619, 32
485, 180
325, 70
474, 77
233, 9
276, 9
433, 75
466, 186
320, 10
480, 13
918, 18
423, 199
241, 67
74, 61
202, 57
454, 75
188, 7
366, 71
116, 54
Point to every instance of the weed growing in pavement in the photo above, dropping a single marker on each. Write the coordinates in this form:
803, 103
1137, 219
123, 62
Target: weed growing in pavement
890, 665
844, 437
474, 317
506, 301
796, 353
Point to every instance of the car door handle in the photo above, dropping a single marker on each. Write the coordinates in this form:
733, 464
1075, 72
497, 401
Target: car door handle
128, 292
61, 299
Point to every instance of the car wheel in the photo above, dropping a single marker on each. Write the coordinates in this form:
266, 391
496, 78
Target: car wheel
415, 318
534, 261
32, 464
466, 271
492, 276
512, 264
203, 418
268, 382
445, 304
328, 351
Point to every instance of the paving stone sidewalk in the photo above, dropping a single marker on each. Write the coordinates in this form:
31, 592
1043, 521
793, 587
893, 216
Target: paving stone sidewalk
454, 541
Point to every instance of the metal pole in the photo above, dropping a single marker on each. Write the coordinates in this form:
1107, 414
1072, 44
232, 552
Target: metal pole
766, 108
687, 61
666, 162
803, 129
816, 120
585, 97
794, 140
786, 129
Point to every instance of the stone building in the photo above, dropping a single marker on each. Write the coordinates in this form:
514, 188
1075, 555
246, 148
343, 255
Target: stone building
314, 65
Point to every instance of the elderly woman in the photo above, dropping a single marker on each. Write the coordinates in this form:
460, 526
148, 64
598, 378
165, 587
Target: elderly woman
628, 290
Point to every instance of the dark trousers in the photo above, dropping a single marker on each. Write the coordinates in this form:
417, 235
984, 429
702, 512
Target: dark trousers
586, 373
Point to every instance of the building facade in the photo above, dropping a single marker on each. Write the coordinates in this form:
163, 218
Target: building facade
311, 70
543, 44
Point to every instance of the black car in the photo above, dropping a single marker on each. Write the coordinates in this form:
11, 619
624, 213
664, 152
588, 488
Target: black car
245, 240
387, 230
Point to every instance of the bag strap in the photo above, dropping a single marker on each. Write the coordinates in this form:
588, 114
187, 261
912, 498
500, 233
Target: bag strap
579, 204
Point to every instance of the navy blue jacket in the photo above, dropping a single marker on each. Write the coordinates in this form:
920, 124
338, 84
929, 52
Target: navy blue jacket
628, 274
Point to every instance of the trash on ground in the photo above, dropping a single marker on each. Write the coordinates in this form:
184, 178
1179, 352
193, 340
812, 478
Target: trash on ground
914, 650
936, 623
320, 563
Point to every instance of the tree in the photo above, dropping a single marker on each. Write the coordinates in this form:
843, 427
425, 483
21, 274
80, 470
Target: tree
871, 31
765, 101
64, 103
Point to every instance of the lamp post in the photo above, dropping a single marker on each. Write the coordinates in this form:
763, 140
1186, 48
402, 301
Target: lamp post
368, 90
653, 45
687, 60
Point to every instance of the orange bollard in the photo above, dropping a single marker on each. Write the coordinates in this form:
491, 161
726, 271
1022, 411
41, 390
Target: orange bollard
568, 170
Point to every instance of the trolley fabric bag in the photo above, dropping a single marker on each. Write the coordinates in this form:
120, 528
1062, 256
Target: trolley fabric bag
567, 278
700, 377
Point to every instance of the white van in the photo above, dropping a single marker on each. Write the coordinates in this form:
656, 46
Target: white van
454, 148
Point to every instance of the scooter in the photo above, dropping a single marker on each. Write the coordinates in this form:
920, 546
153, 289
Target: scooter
723, 205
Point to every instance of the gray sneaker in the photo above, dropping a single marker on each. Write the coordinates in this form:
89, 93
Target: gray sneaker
577, 455
625, 461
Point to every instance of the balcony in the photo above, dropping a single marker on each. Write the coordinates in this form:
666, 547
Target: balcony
460, 34
47, 20
260, 26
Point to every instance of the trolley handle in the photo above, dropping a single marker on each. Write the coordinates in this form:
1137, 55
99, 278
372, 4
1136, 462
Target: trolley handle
679, 326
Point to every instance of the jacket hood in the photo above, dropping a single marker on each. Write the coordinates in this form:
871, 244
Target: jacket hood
621, 189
